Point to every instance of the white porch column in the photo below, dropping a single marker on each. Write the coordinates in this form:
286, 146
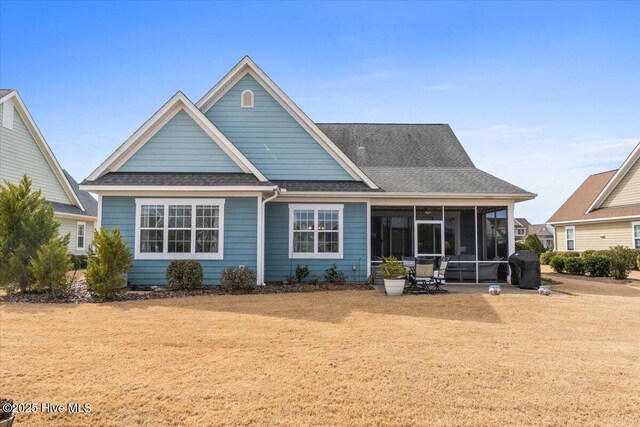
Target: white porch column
511, 224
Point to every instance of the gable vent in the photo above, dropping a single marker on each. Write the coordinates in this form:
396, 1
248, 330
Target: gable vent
7, 114
247, 99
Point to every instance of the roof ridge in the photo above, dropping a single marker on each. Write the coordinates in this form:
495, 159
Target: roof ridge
381, 124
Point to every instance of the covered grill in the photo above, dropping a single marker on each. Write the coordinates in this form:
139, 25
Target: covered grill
525, 269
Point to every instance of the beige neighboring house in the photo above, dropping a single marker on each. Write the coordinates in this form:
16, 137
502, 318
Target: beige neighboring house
603, 212
544, 233
23, 150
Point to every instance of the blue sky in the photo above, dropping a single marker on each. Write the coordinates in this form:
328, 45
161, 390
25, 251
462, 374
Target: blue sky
540, 94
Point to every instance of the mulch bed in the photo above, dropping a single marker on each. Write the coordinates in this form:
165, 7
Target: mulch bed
78, 293
611, 280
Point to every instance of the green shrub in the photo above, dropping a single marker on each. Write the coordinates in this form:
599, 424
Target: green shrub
392, 269
574, 265
79, 261
621, 259
557, 263
184, 274
638, 262
533, 243
597, 265
50, 267
545, 257
521, 246
587, 253
333, 275
108, 264
238, 279
301, 273
26, 223
314, 280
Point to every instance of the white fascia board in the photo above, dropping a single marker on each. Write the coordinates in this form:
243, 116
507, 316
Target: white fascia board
517, 197
609, 219
247, 66
615, 179
74, 216
179, 102
175, 188
44, 147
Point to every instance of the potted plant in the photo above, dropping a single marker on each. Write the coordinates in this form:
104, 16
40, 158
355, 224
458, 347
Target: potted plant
394, 275
6, 413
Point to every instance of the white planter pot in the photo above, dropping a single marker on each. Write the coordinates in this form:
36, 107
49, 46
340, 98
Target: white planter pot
394, 287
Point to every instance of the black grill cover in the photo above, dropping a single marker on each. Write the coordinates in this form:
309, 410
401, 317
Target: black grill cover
525, 269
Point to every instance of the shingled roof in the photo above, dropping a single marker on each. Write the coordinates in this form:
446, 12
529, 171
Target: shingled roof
576, 206
415, 158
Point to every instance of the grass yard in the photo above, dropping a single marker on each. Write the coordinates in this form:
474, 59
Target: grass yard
331, 358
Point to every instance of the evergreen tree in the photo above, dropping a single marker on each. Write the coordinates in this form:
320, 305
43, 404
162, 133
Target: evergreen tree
108, 264
533, 243
26, 223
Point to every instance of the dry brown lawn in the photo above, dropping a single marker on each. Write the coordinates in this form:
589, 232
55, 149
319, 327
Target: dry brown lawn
331, 358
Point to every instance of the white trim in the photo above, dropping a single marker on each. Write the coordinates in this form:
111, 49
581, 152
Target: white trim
315, 208
74, 216
233, 188
179, 102
634, 224
165, 255
99, 221
15, 98
615, 179
247, 66
251, 104
84, 235
368, 239
391, 194
566, 239
607, 219
259, 237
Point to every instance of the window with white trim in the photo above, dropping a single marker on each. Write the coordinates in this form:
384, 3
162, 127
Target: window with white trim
315, 231
179, 228
246, 99
635, 226
81, 227
570, 236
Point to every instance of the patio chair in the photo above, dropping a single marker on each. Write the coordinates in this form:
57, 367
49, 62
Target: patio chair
424, 276
409, 264
438, 277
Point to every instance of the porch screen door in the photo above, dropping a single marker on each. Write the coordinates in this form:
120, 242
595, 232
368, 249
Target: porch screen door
429, 238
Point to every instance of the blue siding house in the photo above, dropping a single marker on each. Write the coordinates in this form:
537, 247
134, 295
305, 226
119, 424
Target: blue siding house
244, 177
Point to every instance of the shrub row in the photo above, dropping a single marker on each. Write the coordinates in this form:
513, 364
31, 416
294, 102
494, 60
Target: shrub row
615, 262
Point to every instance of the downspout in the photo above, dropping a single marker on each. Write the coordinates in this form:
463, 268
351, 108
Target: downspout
276, 193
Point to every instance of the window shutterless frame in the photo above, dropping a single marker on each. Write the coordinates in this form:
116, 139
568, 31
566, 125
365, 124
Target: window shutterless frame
165, 254
635, 234
81, 232
572, 239
316, 208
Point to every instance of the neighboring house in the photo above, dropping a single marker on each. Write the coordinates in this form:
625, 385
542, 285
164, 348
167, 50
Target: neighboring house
244, 177
521, 229
544, 233
23, 150
603, 212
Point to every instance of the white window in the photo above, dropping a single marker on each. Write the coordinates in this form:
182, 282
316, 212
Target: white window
80, 232
635, 227
570, 235
246, 99
179, 228
315, 231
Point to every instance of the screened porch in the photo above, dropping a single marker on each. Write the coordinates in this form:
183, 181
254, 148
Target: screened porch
474, 239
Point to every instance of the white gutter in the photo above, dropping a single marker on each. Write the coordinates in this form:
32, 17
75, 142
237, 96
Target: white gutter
276, 193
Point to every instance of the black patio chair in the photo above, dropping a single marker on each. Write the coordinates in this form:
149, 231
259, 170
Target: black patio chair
438, 277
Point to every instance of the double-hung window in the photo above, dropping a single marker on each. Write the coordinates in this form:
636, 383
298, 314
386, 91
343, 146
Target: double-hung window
635, 227
81, 227
315, 231
570, 235
179, 228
